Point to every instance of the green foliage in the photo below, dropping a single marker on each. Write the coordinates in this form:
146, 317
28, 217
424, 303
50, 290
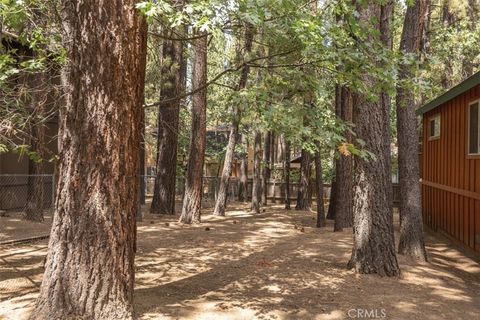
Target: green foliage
31, 44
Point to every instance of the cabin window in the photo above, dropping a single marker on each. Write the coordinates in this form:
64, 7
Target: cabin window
434, 127
474, 128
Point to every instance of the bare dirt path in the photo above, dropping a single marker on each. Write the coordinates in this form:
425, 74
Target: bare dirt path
276, 265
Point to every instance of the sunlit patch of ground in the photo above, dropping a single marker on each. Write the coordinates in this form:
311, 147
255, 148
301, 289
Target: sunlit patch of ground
263, 267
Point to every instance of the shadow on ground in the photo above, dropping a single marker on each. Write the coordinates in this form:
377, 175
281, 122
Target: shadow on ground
275, 265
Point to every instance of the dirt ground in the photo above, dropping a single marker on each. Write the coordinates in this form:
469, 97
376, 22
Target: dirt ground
275, 265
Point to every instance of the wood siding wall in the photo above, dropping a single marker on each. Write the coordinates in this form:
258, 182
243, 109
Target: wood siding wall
450, 178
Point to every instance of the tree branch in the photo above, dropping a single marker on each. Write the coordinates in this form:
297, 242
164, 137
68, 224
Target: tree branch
218, 76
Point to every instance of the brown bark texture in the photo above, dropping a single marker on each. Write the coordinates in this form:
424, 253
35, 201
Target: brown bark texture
89, 271
172, 86
304, 183
192, 200
221, 202
374, 246
243, 180
286, 174
266, 165
321, 221
332, 206
344, 169
257, 183
412, 243
35, 189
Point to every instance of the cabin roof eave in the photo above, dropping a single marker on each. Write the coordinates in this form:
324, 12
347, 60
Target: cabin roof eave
457, 90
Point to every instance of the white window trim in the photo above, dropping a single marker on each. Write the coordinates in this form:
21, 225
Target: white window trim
433, 118
468, 127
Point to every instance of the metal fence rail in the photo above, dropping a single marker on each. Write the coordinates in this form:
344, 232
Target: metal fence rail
17, 190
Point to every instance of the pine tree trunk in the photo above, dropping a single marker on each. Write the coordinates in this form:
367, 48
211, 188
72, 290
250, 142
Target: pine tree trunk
321, 222
304, 183
287, 174
243, 181
173, 78
412, 241
332, 205
448, 19
265, 166
35, 187
374, 245
344, 167
332, 200
141, 155
257, 159
221, 202
193, 184
89, 271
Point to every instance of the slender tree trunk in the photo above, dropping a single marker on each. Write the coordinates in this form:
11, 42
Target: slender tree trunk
265, 166
374, 245
344, 167
468, 63
332, 205
448, 19
36, 170
141, 154
193, 185
332, 200
257, 183
321, 222
412, 241
273, 150
221, 202
89, 272
243, 181
173, 79
304, 183
287, 174
141, 171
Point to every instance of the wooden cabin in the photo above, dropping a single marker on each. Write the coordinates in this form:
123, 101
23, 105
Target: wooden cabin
451, 162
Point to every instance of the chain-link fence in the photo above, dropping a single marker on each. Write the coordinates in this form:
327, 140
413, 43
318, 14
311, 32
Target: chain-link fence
27, 192
20, 192
210, 187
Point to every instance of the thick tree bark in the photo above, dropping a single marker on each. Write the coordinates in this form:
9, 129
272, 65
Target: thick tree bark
193, 185
243, 180
286, 174
304, 183
412, 241
221, 202
266, 166
35, 188
173, 79
257, 183
374, 245
344, 170
321, 222
89, 272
